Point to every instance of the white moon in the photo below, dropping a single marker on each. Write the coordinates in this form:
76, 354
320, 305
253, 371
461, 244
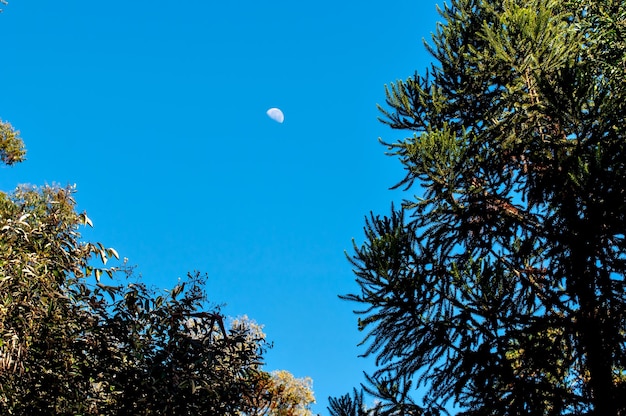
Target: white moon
276, 115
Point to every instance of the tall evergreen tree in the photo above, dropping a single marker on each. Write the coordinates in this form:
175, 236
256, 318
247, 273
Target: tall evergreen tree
499, 287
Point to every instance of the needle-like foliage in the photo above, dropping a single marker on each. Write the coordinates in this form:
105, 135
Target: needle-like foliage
499, 287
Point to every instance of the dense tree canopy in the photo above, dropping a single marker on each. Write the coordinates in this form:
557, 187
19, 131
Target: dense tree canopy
80, 339
499, 287
74, 345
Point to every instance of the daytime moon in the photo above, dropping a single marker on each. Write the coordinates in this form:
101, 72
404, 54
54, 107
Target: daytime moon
276, 114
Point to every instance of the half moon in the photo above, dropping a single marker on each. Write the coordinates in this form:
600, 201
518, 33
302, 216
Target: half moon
276, 114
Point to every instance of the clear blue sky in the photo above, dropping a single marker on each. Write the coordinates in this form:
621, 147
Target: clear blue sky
156, 111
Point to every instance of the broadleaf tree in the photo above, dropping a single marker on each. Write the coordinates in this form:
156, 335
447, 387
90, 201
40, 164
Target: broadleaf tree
279, 393
74, 343
77, 337
497, 287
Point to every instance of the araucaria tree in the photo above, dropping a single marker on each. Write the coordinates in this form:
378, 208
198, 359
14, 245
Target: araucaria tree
499, 287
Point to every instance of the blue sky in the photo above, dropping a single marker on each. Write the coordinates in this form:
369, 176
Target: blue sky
156, 111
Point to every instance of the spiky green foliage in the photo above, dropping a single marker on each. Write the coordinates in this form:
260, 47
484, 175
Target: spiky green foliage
499, 287
347, 405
